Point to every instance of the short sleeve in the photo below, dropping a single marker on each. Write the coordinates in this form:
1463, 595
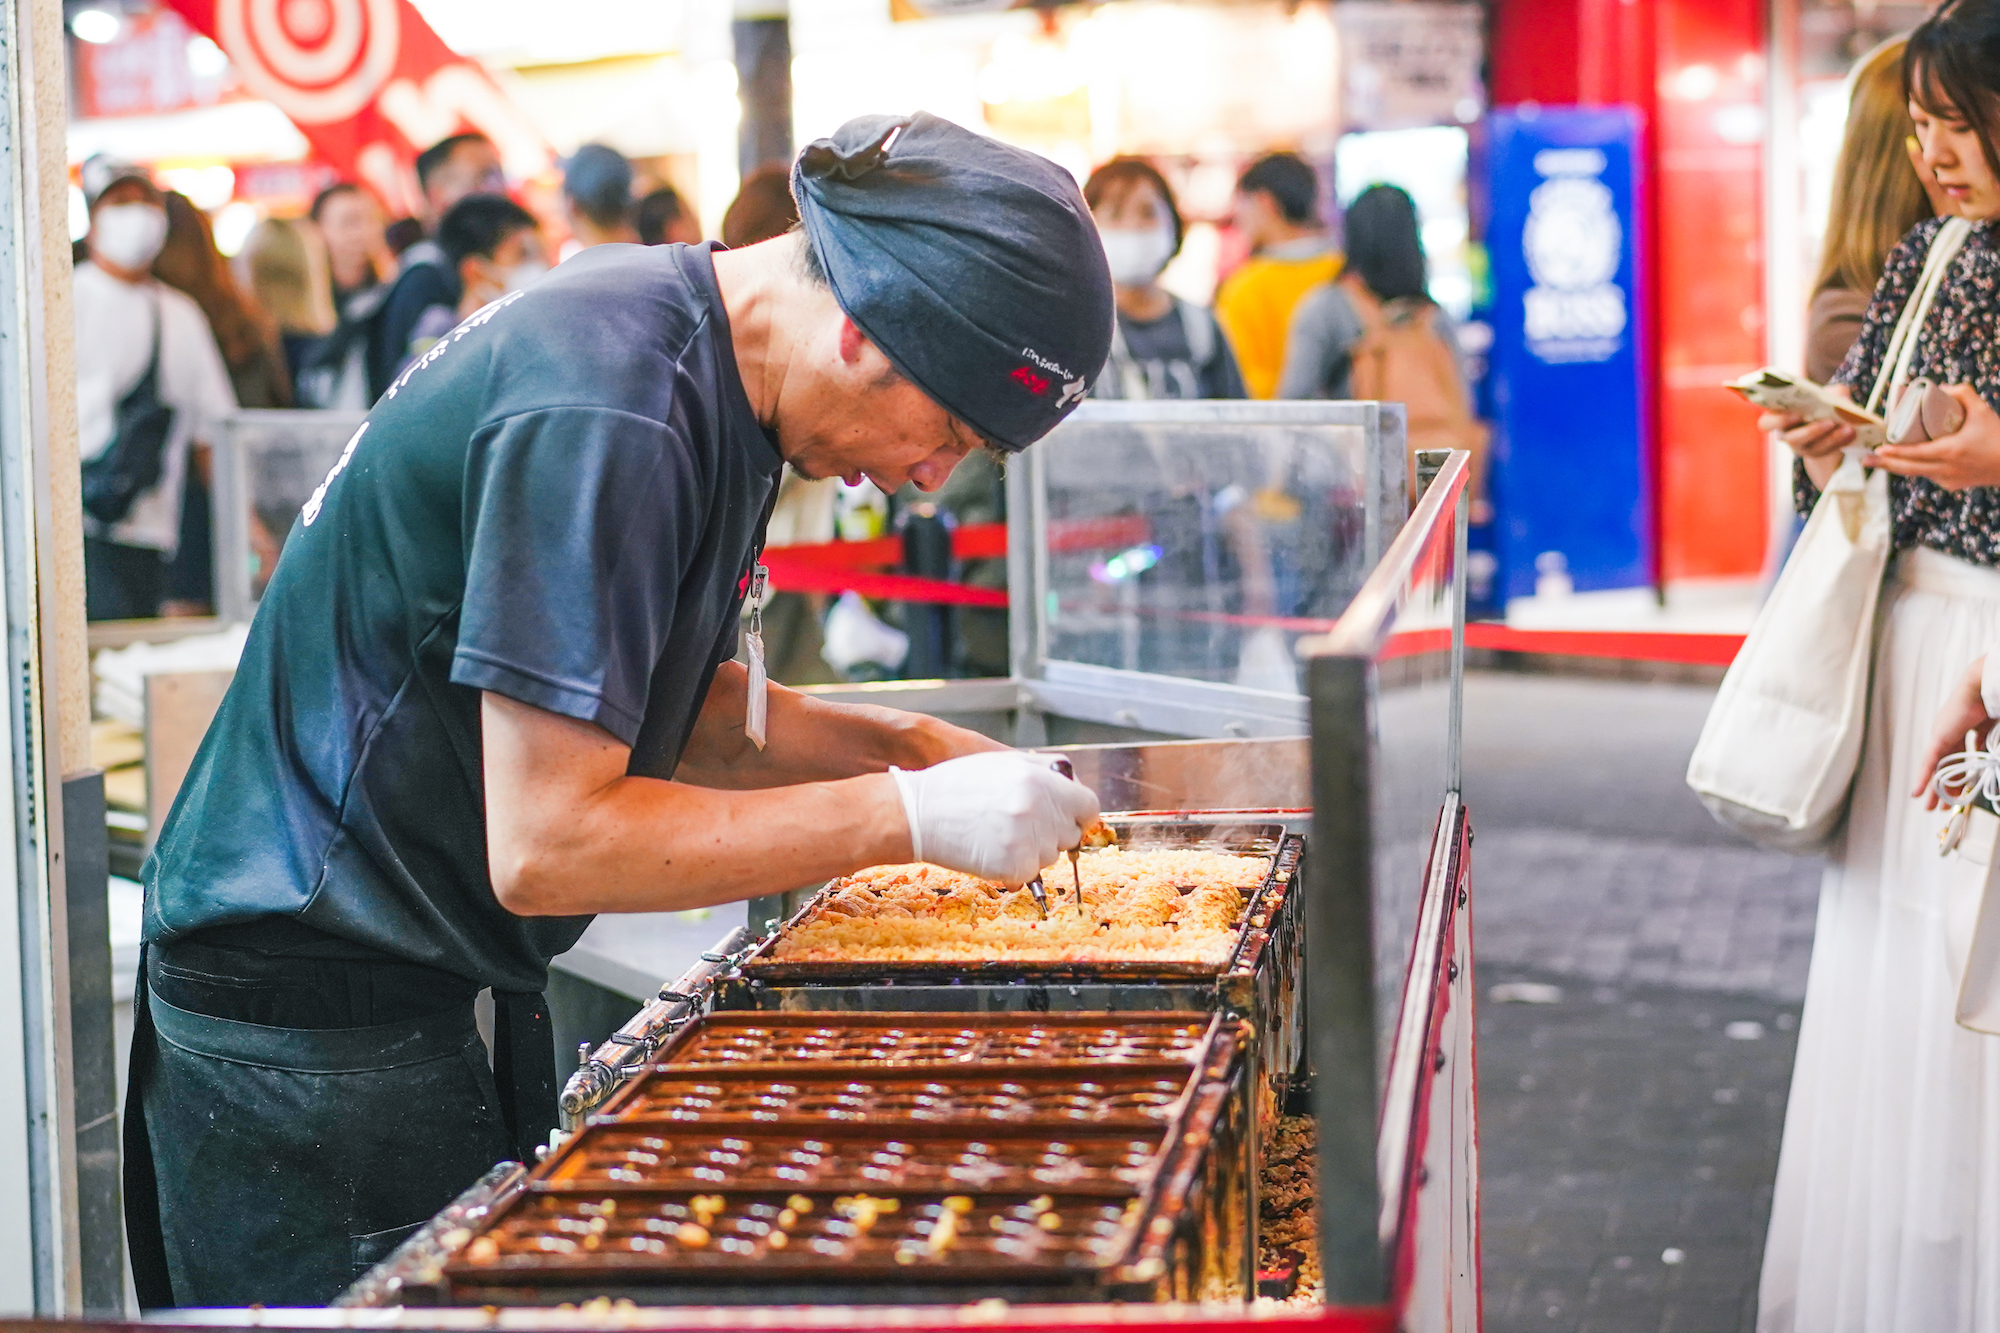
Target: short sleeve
578, 523
1324, 328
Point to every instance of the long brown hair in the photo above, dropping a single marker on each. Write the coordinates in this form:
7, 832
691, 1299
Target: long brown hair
190, 261
1876, 193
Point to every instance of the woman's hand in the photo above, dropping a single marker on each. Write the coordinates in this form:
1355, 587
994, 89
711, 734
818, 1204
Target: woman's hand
1964, 710
1969, 456
1817, 442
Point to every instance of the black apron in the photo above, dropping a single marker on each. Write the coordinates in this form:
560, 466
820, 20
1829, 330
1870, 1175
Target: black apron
274, 1165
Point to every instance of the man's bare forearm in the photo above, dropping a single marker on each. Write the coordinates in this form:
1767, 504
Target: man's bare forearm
650, 846
811, 740
569, 832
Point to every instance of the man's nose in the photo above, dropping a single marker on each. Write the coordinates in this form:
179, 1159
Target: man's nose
934, 471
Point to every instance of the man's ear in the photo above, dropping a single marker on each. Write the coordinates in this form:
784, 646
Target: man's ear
469, 272
852, 342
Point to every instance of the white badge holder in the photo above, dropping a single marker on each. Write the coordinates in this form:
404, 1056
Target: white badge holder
756, 711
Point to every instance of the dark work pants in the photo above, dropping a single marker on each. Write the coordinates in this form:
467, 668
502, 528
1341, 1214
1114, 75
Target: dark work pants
122, 582
269, 1165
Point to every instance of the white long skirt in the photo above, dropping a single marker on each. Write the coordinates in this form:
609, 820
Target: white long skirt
1886, 1215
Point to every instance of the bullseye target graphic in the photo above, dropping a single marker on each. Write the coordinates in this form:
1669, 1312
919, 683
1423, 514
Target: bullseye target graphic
319, 60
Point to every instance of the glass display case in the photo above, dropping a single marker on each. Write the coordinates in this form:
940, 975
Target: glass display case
1200, 540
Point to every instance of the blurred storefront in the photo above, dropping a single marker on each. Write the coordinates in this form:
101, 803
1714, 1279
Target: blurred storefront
152, 82
1740, 107
1737, 106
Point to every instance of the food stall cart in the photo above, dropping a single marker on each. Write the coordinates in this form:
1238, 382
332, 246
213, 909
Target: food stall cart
778, 1143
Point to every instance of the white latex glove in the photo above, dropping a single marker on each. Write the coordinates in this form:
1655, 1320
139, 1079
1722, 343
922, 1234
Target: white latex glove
1002, 815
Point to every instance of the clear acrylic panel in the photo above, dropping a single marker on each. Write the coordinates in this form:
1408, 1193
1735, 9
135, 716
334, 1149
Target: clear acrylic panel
1201, 540
267, 465
1386, 709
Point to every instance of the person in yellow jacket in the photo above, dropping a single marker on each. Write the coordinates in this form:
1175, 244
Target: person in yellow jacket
1277, 210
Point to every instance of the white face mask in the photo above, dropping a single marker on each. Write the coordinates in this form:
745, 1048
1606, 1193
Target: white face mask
1136, 257
522, 274
129, 235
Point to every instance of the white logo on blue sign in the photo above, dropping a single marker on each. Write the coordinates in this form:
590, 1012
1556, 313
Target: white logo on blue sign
1573, 241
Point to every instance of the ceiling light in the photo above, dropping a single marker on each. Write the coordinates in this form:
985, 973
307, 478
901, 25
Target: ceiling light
96, 26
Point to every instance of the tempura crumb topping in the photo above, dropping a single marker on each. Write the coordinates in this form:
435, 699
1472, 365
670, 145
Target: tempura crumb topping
1163, 905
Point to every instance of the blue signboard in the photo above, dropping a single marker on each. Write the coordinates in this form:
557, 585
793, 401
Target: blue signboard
1571, 488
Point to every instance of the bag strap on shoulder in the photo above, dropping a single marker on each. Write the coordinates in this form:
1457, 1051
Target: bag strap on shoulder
1902, 349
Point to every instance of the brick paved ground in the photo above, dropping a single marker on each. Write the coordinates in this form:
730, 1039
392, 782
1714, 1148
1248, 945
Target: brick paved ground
1631, 911
1627, 1145
1623, 1122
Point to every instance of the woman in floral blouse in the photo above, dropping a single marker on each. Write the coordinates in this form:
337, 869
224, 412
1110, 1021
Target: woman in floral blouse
1886, 1215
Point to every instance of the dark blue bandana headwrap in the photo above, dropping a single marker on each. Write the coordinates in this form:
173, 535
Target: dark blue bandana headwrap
974, 266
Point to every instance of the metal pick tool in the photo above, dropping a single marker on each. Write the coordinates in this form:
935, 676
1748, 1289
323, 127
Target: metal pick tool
1068, 770
1040, 895
1036, 889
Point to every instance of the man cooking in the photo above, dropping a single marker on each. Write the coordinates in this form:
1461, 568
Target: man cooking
489, 691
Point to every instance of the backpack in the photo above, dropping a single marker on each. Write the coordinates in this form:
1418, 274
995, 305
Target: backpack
1402, 358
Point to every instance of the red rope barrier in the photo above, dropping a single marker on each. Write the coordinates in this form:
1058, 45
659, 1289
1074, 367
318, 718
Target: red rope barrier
807, 576
837, 567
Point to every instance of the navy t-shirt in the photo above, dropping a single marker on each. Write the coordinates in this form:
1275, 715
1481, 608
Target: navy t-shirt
560, 501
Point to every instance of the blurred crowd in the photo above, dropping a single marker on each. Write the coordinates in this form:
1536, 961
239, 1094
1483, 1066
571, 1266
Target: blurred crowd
319, 311
325, 310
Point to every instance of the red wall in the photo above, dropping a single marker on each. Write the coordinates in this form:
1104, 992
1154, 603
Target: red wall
1693, 69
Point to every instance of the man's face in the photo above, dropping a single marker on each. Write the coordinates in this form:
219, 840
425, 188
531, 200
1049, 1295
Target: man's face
119, 243
855, 417
516, 261
1255, 216
472, 168
352, 227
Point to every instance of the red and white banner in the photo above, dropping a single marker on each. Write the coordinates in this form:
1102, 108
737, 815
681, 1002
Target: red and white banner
368, 83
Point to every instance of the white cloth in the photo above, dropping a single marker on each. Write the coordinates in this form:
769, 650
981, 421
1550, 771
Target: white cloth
114, 344
1989, 681
1886, 1213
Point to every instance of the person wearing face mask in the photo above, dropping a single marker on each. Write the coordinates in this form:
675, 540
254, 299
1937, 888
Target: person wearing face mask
139, 343
1162, 346
495, 247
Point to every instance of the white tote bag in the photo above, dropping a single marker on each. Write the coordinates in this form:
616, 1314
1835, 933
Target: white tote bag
1777, 755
